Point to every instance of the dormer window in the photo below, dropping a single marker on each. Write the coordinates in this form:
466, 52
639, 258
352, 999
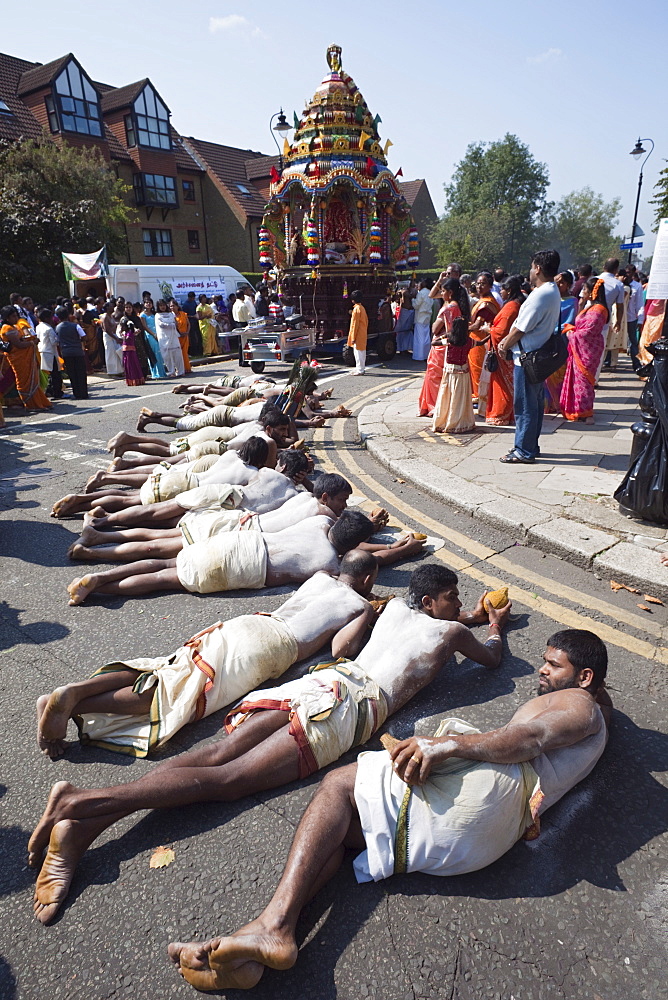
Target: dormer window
148, 125
75, 104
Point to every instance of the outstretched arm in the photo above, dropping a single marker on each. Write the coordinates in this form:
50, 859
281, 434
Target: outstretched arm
566, 720
404, 548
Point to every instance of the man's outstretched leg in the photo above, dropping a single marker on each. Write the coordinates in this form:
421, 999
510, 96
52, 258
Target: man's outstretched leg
110, 499
147, 417
328, 827
160, 547
128, 580
152, 444
165, 514
110, 692
259, 755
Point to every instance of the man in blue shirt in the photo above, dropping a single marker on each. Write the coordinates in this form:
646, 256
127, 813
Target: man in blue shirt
535, 324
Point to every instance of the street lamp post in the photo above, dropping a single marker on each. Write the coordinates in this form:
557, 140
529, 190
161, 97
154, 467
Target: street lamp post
638, 151
282, 125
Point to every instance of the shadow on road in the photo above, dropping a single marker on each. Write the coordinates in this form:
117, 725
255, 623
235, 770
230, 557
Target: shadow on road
14, 632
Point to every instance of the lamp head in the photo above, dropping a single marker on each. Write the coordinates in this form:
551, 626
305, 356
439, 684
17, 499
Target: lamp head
282, 125
637, 150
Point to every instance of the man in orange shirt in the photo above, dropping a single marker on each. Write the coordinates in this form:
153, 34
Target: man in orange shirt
183, 327
359, 325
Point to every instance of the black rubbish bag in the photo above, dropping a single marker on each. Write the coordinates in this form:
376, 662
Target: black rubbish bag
644, 488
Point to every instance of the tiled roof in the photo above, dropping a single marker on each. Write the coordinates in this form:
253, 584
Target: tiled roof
260, 166
229, 166
41, 75
21, 122
410, 189
122, 97
181, 154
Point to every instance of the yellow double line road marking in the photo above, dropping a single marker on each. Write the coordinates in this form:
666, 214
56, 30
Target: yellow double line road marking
482, 553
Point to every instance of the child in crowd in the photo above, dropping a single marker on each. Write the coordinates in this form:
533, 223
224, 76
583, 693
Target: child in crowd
453, 413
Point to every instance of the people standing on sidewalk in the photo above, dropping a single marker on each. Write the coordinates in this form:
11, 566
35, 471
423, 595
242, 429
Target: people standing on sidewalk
70, 338
48, 352
357, 334
403, 327
568, 310
585, 350
455, 306
168, 339
535, 324
207, 326
194, 337
183, 328
422, 304
500, 389
113, 345
482, 314
453, 412
614, 295
130, 330
147, 316
633, 314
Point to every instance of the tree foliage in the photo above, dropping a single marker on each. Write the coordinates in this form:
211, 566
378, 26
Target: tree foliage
493, 202
55, 197
660, 198
497, 213
581, 227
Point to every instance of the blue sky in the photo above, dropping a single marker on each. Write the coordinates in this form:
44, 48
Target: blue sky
577, 82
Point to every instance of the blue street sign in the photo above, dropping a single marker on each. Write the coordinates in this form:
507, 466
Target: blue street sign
630, 246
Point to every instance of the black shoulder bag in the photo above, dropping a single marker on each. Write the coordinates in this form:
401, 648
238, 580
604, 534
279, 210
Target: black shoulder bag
546, 360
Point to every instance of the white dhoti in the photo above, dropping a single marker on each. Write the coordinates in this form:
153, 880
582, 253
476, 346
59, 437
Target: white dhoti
466, 815
229, 561
217, 416
334, 707
206, 522
167, 481
209, 671
204, 434
421, 341
113, 355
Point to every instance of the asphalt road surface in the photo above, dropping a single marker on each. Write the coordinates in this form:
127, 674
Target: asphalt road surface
580, 913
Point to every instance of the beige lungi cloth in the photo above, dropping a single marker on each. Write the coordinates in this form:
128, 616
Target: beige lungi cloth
466, 815
205, 522
211, 670
217, 416
334, 707
230, 561
202, 436
167, 481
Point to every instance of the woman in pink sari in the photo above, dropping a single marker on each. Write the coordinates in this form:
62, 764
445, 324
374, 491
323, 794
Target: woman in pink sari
455, 304
585, 350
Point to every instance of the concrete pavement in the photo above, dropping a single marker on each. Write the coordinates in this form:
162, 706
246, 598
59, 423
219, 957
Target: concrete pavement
562, 504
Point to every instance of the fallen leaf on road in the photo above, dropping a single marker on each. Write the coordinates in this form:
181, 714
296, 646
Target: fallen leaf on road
652, 600
643, 607
622, 586
161, 857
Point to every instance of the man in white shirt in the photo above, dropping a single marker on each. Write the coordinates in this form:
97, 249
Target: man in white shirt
240, 311
422, 304
250, 303
614, 290
535, 324
634, 310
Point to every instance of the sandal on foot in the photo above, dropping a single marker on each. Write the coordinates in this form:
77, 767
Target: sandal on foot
513, 459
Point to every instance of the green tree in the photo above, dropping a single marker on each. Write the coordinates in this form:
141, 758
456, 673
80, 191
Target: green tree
581, 227
55, 197
660, 198
496, 198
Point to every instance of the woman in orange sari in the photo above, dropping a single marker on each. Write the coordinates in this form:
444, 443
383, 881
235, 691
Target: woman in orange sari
455, 304
483, 312
652, 329
23, 358
500, 388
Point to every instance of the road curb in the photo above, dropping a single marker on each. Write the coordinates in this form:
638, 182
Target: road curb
584, 545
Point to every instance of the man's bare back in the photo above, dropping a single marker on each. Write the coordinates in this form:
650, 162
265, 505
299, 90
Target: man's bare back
318, 610
296, 553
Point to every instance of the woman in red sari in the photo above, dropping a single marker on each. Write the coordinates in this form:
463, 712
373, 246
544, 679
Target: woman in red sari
484, 311
500, 387
455, 304
585, 350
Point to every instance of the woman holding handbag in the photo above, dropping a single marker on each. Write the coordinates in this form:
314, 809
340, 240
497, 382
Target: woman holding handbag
500, 386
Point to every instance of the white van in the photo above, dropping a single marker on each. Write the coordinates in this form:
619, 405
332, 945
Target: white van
166, 281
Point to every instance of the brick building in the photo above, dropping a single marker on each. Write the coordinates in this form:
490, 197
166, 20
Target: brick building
197, 202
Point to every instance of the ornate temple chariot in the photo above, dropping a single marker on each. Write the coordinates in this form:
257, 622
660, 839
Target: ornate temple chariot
336, 219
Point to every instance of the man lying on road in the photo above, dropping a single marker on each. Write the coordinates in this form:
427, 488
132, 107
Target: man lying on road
447, 805
136, 705
306, 724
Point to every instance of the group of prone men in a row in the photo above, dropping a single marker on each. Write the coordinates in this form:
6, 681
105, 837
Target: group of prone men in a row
447, 804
